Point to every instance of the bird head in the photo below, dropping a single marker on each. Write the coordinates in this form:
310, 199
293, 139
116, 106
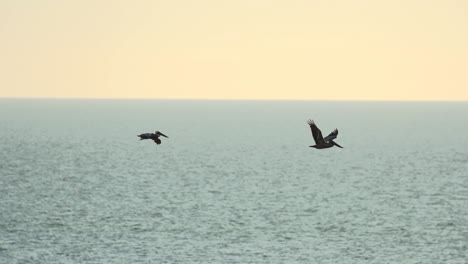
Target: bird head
160, 134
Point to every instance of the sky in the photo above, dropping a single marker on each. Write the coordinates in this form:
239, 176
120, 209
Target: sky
235, 49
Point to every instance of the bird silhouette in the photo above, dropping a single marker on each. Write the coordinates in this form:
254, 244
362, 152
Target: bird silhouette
320, 142
154, 136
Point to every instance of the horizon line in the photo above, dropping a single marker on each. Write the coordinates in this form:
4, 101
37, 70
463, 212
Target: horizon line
229, 99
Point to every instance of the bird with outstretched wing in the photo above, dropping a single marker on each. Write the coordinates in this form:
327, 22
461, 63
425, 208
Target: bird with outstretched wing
321, 142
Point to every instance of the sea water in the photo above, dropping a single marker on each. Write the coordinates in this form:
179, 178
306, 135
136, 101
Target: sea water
235, 182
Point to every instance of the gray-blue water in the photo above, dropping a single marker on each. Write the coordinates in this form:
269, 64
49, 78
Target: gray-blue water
235, 183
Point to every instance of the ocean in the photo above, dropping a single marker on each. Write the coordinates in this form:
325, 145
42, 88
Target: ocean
235, 182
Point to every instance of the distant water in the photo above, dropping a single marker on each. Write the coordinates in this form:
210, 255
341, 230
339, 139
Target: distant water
235, 183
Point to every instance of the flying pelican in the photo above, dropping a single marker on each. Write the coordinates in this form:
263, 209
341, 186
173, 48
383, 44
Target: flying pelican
154, 136
320, 142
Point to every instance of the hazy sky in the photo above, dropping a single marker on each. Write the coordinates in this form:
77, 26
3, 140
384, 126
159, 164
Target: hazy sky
235, 49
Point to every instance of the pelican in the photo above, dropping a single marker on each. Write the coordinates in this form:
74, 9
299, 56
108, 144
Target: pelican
320, 142
154, 136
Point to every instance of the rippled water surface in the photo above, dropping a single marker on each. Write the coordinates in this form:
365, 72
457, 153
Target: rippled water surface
235, 183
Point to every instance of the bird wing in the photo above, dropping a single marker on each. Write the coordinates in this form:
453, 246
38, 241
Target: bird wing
157, 141
332, 136
316, 133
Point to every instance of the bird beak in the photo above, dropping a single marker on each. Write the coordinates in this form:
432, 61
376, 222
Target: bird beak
163, 135
337, 144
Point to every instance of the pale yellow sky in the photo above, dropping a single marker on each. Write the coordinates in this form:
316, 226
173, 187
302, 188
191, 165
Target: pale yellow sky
236, 49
